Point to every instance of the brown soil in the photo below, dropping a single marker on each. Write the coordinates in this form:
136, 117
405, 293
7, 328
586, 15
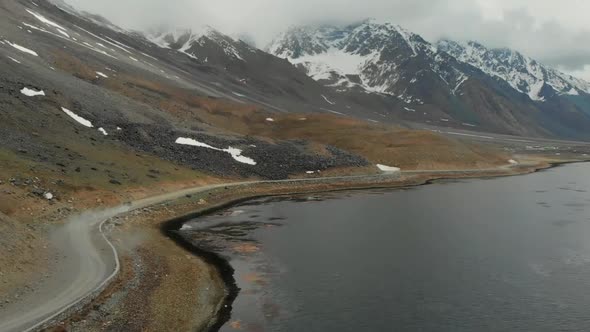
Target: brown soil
26, 218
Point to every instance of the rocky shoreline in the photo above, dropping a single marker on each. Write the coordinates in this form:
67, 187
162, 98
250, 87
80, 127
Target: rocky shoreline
171, 227
180, 280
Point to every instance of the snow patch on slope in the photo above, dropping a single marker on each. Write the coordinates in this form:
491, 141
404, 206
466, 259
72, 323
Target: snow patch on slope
21, 48
77, 118
535, 91
328, 100
45, 20
31, 92
336, 62
462, 79
235, 153
388, 169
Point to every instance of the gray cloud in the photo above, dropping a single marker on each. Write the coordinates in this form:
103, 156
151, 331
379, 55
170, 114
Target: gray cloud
555, 33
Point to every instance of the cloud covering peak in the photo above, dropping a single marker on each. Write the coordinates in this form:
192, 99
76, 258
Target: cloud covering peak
555, 33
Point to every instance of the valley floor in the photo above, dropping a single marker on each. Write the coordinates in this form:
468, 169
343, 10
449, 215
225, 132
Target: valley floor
100, 124
164, 287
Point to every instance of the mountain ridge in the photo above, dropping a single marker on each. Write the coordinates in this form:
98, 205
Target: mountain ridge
375, 57
299, 42
372, 70
515, 68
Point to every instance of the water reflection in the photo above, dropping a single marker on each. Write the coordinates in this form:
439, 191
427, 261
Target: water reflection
508, 254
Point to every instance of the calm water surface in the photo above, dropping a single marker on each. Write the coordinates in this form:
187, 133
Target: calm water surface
507, 254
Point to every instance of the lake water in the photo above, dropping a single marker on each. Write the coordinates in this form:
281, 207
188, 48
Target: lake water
505, 254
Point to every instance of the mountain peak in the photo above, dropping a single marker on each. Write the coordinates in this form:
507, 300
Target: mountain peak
522, 73
362, 37
177, 38
366, 56
193, 42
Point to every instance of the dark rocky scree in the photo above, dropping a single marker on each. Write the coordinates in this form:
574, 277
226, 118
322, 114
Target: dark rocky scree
274, 161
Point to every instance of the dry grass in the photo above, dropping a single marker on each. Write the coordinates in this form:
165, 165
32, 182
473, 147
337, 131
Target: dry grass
74, 66
378, 143
23, 257
409, 149
389, 145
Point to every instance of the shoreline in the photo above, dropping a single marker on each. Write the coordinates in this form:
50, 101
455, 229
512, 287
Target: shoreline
171, 227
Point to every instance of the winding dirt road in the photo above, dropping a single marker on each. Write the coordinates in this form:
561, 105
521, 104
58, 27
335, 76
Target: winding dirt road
86, 261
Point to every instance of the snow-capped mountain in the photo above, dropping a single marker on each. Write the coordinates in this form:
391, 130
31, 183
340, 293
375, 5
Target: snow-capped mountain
370, 56
374, 57
524, 74
248, 67
190, 41
369, 69
372, 70
450, 82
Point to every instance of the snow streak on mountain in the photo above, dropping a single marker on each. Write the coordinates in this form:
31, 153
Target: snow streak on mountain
374, 57
522, 73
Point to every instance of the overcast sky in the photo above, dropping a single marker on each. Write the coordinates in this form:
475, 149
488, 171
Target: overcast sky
555, 32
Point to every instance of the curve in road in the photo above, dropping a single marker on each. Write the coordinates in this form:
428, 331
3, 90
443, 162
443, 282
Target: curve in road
89, 261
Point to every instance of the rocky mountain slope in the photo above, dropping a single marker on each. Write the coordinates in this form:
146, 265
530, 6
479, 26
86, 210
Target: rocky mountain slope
72, 79
524, 74
258, 76
378, 72
81, 84
446, 82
